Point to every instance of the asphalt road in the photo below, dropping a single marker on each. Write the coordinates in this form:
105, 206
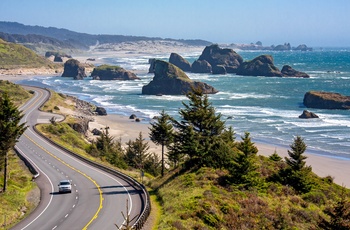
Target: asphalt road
98, 199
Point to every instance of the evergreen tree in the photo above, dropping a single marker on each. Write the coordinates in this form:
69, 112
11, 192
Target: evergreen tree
339, 216
136, 152
104, 143
198, 132
162, 133
296, 160
10, 129
243, 168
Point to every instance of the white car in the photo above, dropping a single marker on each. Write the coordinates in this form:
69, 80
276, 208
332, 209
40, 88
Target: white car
65, 186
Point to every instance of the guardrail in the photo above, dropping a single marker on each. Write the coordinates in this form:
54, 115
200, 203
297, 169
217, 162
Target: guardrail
140, 221
146, 198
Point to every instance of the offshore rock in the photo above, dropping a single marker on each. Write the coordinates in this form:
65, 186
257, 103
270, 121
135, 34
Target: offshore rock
259, 66
308, 115
201, 66
326, 100
219, 69
73, 68
217, 56
170, 80
108, 72
151, 65
180, 62
288, 71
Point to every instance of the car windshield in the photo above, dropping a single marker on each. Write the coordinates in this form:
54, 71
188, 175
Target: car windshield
64, 183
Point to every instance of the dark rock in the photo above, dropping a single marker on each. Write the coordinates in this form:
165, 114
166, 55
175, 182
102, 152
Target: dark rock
81, 126
171, 80
259, 66
57, 54
231, 69
288, 71
107, 72
132, 116
326, 100
303, 47
307, 115
58, 59
96, 132
180, 62
201, 67
151, 65
218, 56
137, 119
219, 69
285, 47
73, 68
101, 111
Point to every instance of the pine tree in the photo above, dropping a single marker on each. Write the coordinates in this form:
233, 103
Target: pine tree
136, 152
296, 160
162, 133
243, 168
198, 132
10, 128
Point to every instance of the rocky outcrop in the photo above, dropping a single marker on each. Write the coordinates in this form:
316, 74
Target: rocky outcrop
171, 80
326, 100
108, 72
288, 71
219, 69
81, 126
308, 115
303, 47
101, 111
180, 62
285, 47
201, 66
224, 57
259, 66
73, 68
151, 65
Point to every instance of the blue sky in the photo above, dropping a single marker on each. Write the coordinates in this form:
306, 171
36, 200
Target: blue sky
312, 22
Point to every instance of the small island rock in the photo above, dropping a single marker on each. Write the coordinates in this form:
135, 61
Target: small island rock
171, 80
259, 66
326, 100
217, 56
180, 62
307, 115
288, 71
108, 72
73, 68
201, 66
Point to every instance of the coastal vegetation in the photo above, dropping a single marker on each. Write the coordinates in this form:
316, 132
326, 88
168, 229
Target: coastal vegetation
17, 188
17, 56
213, 181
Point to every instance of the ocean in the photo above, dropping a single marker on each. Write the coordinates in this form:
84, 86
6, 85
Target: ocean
266, 107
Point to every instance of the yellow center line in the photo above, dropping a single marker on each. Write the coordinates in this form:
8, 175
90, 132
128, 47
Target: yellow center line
77, 170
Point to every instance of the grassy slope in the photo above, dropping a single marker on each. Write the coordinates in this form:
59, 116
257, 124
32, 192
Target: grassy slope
17, 56
202, 200
17, 201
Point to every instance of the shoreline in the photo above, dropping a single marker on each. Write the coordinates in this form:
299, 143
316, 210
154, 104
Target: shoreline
127, 129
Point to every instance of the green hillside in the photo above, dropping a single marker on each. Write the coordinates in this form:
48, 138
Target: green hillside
17, 56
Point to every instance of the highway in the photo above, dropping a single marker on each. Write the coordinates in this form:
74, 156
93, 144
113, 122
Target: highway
97, 197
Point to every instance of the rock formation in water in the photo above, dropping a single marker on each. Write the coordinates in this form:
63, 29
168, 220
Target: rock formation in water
171, 80
108, 72
326, 100
259, 66
180, 62
73, 68
288, 71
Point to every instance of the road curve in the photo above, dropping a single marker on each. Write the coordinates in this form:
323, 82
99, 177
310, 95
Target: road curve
98, 198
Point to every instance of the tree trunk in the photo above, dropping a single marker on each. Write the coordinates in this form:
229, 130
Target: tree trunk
162, 160
5, 173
